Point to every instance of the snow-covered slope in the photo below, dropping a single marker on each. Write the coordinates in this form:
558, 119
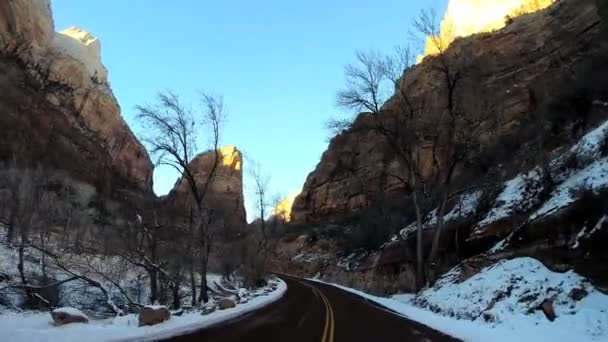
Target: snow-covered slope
583, 167
501, 304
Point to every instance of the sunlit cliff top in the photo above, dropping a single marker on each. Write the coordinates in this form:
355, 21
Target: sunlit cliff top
467, 17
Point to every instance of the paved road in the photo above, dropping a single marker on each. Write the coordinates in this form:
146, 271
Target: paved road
311, 311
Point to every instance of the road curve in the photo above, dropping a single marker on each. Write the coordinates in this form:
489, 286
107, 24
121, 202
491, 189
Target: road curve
315, 312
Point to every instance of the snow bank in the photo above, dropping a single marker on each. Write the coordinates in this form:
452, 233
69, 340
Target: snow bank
514, 287
18, 327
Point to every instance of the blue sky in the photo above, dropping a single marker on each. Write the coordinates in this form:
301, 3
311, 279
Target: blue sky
278, 64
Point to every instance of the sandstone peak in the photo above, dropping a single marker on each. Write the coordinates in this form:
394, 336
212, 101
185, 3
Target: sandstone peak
231, 156
83, 47
467, 17
283, 208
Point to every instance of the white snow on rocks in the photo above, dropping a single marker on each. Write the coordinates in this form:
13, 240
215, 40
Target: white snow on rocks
591, 144
70, 311
521, 192
518, 194
593, 177
466, 205
508, 294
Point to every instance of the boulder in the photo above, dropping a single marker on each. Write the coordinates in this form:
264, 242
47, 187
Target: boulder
226, 303
152, 315
548, 310
63, 316
207, 309
578, 294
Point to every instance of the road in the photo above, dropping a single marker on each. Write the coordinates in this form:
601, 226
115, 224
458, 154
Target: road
311, 311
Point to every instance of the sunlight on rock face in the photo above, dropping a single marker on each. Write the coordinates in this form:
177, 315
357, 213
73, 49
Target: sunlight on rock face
83, 47
231, 156
466, 17
283, 209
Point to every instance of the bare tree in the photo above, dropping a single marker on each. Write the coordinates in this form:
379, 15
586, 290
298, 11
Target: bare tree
365, 83
261, 182
461, 131
172, 139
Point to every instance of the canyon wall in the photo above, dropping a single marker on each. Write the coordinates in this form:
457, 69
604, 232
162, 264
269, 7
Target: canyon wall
57, 110
535, 61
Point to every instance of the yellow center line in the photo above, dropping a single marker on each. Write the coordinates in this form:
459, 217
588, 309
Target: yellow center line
328, 330
327, 318
331, 317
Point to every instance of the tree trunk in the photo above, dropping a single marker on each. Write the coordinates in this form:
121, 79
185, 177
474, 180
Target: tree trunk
439, 227
204, 296
175, 291
43, 258
21, 251
10, 229
20, 266
419, 245
192, 284
205, 245
153, 285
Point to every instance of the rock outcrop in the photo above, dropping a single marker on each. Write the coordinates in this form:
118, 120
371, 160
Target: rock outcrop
517, 71
283, 209
57, 104
57, 110
63, 316
226, 303
225, 193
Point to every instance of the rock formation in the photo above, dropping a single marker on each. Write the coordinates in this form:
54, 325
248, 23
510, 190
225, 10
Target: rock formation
57, 109
283, 208
225, 193
58, 103
516, 71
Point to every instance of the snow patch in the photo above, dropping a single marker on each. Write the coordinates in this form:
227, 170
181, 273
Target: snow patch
518, 194
466, 206
593, 177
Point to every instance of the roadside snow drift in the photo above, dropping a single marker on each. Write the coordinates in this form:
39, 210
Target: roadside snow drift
29, 327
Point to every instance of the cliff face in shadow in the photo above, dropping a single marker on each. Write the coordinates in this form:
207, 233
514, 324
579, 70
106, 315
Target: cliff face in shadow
541, 62
57, 110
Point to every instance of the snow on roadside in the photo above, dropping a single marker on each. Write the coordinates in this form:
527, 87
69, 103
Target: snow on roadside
516, 287
27, 327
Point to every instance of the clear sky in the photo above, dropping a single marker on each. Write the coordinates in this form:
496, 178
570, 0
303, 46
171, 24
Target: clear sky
278, 64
